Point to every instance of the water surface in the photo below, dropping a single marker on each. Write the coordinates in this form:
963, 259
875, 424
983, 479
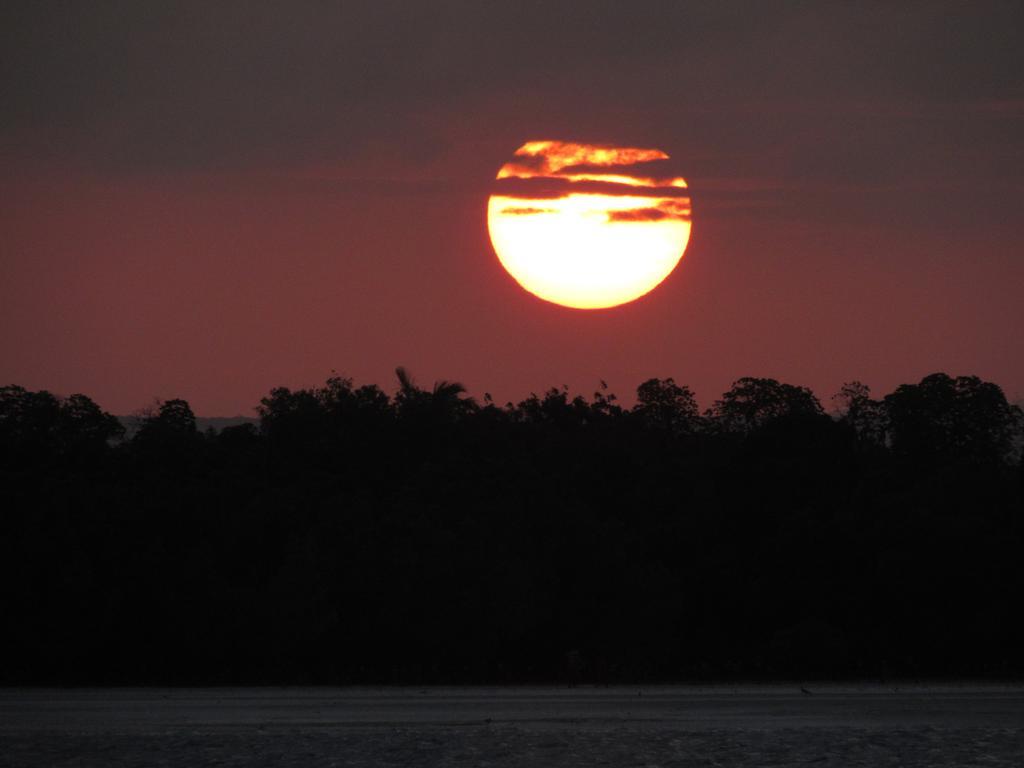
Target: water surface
618, 726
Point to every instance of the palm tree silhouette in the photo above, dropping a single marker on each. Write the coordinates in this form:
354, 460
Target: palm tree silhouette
446, 401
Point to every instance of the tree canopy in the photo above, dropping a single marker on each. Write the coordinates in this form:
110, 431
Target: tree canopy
352, 535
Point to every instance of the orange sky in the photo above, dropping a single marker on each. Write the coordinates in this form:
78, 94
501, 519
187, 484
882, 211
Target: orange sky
198, 207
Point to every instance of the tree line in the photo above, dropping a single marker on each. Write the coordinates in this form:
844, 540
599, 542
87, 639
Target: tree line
353, 536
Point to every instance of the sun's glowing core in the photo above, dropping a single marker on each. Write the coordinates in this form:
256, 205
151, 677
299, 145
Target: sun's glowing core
577, 235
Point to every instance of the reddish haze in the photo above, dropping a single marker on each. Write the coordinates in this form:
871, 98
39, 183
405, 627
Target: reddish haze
857, 192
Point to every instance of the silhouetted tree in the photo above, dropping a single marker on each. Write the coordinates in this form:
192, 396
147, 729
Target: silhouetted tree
446, 401
40, 422
168, 440
343, 402
664, 404
941, 418
173, 417
87, 424
28, 420
605, 403
753, 402
865, 416
292, 418
355, 537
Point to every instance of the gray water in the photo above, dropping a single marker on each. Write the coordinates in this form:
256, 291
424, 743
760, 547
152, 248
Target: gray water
619, 726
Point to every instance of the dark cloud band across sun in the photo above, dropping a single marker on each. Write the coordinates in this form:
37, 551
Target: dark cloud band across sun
543, 171
570, 161
666, 209
550, 187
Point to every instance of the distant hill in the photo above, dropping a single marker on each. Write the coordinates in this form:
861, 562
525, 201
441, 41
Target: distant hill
217, 423
203, 423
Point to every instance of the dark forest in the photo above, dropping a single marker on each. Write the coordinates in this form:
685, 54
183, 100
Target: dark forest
357, 537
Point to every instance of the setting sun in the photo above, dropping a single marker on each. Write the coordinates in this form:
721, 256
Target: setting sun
574, 226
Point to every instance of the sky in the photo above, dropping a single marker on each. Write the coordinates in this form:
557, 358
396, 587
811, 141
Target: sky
208, 200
